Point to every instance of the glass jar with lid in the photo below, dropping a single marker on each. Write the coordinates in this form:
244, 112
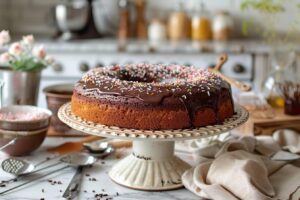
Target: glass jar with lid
201, 24
223, 26
282, 60
178, 24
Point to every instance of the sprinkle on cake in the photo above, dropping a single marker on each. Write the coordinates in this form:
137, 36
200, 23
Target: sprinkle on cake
146, 77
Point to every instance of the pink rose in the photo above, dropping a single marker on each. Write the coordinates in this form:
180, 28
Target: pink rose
4, 57
28, 39
4, 37
39, 52
15, 49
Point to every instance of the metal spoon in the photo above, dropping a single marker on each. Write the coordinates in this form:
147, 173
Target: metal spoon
97, 146
22, 168
97, 149
8, 144
75, 160
79, 159
26, 169
104, 154
16, 167
19, 167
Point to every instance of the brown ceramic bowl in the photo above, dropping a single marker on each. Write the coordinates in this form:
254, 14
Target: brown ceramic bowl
29, 134
26, 142
24, 125
56, 96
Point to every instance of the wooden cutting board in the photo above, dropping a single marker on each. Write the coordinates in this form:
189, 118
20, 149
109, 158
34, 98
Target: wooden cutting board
269, 125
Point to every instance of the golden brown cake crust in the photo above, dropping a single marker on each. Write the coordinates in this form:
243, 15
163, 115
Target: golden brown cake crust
173, 110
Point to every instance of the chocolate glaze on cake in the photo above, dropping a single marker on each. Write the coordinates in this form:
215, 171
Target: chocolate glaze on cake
146, 88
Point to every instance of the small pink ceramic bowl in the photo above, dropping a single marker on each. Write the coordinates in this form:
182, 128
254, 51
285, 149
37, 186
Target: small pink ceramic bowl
28, 125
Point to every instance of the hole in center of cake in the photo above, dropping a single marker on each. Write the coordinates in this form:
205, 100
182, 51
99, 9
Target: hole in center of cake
146, 77
136, 78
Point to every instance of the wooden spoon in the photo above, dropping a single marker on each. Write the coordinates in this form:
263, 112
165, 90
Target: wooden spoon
69, 147
240, 85
121, 144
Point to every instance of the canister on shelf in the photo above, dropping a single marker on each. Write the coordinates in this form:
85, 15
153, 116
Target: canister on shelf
223, 26
124, 22
140, 32
201, 26
178, 25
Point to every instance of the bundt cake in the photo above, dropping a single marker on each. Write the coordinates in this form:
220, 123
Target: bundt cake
152, 96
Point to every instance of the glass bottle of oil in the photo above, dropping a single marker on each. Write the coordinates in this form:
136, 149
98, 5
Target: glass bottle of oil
282, 61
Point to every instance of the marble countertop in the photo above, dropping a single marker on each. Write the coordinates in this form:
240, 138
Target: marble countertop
95, 180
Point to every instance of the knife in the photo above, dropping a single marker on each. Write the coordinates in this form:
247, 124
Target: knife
74, 186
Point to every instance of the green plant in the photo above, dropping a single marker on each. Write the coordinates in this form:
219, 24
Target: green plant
269, 11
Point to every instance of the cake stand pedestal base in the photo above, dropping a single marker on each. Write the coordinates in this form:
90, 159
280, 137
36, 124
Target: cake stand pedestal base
151, 166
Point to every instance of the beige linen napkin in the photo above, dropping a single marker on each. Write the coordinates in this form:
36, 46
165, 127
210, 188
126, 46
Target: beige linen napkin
288, 140
240, 168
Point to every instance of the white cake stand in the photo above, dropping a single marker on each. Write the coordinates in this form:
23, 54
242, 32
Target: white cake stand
152, 164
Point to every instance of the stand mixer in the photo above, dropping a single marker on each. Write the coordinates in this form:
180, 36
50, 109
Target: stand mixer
74, 19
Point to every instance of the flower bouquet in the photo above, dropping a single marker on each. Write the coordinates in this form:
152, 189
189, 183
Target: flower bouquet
20, 70
24, 55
